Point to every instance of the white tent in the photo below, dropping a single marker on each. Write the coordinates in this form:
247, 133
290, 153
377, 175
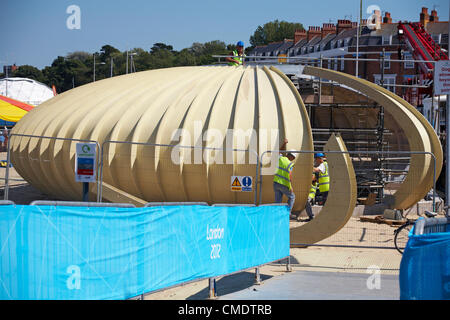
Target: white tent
25, 90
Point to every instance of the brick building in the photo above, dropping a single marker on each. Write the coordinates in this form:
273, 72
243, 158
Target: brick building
336, 41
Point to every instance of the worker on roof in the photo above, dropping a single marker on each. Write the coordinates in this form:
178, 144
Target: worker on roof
283, 177
238, 55
321, 167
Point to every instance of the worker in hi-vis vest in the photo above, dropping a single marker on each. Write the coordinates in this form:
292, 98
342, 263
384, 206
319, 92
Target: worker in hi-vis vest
238, 55
282, 178
321, 167
311, 196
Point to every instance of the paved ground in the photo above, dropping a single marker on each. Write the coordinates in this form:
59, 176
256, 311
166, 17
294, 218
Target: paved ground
316, 285
317, 273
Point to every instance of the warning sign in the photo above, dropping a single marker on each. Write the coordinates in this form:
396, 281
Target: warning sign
241, 183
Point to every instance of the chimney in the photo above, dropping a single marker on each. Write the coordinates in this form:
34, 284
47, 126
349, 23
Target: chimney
387, 18
312, 32
434, 17
424, 16
343, 25
328, 28
299, 35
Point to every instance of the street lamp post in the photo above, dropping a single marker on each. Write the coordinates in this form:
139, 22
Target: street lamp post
130, 54
358, 34
6, 81
95, 64
73, 76
132, 62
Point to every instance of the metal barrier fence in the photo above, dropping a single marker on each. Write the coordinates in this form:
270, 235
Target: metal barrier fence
431, 225
357, 233
143, 157
8, 159
81, 204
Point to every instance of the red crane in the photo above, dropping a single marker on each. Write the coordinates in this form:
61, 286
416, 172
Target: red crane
423, 48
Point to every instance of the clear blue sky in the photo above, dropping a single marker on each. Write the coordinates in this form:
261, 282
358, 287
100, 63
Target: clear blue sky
34, 32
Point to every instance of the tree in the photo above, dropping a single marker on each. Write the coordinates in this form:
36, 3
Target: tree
185, 58
79, 55
107, 51
29, 72
274, 31
157, 47
203, 52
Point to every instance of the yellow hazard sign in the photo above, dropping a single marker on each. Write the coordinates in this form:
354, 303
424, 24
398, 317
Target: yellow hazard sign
241, 183
236, 183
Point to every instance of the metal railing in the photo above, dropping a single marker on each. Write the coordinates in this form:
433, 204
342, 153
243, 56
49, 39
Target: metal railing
192, 148
369, 237
431, 225
258, 183
81, 204
8, 154
376, 153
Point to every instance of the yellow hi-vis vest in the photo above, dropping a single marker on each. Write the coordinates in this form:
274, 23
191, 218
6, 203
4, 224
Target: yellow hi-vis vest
282, 175
237, 58
324, 179
312, 191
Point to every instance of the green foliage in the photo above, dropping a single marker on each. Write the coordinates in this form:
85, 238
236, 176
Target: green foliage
29, 72
274, 31
77, 68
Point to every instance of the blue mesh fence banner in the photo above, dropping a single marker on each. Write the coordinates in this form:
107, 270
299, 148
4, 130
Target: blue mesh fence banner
58, 252
425, 267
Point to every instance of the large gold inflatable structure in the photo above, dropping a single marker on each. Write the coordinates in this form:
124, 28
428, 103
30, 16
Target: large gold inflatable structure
250, 109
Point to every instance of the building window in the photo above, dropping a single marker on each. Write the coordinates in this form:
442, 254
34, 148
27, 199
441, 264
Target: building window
342, 64
436, 38
387, 61
388, 82
387, 40
408, 56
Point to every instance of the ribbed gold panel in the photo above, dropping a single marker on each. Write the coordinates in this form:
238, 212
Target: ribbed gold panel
189, 106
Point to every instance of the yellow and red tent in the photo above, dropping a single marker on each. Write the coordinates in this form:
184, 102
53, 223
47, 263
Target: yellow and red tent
12, 110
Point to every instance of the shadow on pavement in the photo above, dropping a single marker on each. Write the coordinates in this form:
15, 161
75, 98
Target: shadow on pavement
23, 194
229, 284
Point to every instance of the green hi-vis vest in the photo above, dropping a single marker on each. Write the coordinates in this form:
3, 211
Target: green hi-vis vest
237, 58
312, 191
324, 179
282, 174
